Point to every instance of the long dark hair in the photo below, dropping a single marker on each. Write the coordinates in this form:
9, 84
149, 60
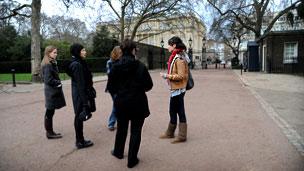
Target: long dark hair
178, 42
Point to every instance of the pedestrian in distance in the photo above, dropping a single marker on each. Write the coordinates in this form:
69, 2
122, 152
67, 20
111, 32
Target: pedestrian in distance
83, 92
115, 55
54, 97
177, 77
129, 80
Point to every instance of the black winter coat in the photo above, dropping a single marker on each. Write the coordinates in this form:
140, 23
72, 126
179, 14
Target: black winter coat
128, 80
82, 83
54, 97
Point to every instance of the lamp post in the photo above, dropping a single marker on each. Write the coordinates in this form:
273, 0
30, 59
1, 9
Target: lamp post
204, 60
190, 53
113, 40
162, 54
235, 50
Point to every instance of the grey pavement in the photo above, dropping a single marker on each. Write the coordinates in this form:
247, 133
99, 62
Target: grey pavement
229, 128
282, 96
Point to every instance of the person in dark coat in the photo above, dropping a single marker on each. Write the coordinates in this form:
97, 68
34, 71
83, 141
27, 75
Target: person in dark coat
54, 98
128, 80
83, 92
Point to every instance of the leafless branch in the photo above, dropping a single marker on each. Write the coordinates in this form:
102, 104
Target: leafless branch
16, 11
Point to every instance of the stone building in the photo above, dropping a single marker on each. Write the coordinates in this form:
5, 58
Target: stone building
158, 31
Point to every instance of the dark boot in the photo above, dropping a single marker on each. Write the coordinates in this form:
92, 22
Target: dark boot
182, 133
48, 124
133, 163
84, 144
169, 132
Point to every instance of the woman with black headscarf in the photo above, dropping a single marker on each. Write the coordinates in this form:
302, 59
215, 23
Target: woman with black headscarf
83, 93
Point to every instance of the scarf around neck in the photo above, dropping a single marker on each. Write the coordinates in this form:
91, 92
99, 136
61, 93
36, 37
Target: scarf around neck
173, 54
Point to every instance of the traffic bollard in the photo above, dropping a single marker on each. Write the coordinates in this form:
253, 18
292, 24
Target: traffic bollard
13, 77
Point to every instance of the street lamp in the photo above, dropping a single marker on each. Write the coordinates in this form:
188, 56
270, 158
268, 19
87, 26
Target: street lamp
190, 42
235, 51
190, 53
204, 60
161, 54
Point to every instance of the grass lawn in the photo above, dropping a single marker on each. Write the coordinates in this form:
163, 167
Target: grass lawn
27, 76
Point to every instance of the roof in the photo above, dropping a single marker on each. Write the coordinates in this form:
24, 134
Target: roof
252, 43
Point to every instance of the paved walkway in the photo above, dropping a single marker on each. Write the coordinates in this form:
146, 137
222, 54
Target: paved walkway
228, 129
282, 96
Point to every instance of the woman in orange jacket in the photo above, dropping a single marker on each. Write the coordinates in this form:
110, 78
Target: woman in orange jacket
177, 77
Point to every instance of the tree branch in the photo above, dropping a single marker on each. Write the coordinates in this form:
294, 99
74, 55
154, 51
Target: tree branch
267, 30
15, 12
111, 6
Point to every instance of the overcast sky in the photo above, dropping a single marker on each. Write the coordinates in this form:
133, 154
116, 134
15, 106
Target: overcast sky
89, 14
92, 14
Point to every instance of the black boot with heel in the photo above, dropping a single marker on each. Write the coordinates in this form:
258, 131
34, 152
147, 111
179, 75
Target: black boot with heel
50, 134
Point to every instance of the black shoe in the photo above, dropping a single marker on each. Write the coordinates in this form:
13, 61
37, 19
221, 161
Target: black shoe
84, 116
133, 163
84, 144
53, 135
111, 128
115, 155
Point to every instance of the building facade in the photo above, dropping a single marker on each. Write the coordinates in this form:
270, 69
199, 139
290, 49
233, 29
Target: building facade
283, 52
157, 32
281, 26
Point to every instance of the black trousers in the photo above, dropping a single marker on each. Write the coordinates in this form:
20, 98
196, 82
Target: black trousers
49, 113
48, 120
135, 137
177, 108
78, 125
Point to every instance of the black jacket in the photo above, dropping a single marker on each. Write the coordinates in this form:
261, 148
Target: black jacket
54, 97
128, 80
82, 83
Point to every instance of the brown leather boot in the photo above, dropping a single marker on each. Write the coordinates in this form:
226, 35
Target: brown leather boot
169, 132
50, 134
182, 133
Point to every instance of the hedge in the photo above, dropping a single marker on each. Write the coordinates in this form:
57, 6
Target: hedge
95, 65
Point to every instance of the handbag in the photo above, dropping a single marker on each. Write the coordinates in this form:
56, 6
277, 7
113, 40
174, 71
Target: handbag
190, 82
91, 100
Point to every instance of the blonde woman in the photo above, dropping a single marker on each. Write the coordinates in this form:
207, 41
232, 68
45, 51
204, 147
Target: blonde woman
54, 98
115, 55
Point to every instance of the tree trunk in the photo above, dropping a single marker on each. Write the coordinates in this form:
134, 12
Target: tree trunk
35, 41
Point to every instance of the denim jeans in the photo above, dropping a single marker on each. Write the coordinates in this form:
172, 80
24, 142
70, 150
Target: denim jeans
112, 118
177, 107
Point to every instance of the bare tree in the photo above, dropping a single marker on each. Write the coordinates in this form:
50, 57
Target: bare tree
250, 13
35, 40
13, 9
64, 28
226, 30
133, 13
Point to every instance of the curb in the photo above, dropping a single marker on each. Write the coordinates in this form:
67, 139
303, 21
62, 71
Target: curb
293, 137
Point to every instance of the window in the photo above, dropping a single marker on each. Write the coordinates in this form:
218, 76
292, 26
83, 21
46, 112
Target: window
290, 53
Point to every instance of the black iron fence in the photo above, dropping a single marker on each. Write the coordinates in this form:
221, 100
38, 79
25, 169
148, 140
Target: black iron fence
153, 57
